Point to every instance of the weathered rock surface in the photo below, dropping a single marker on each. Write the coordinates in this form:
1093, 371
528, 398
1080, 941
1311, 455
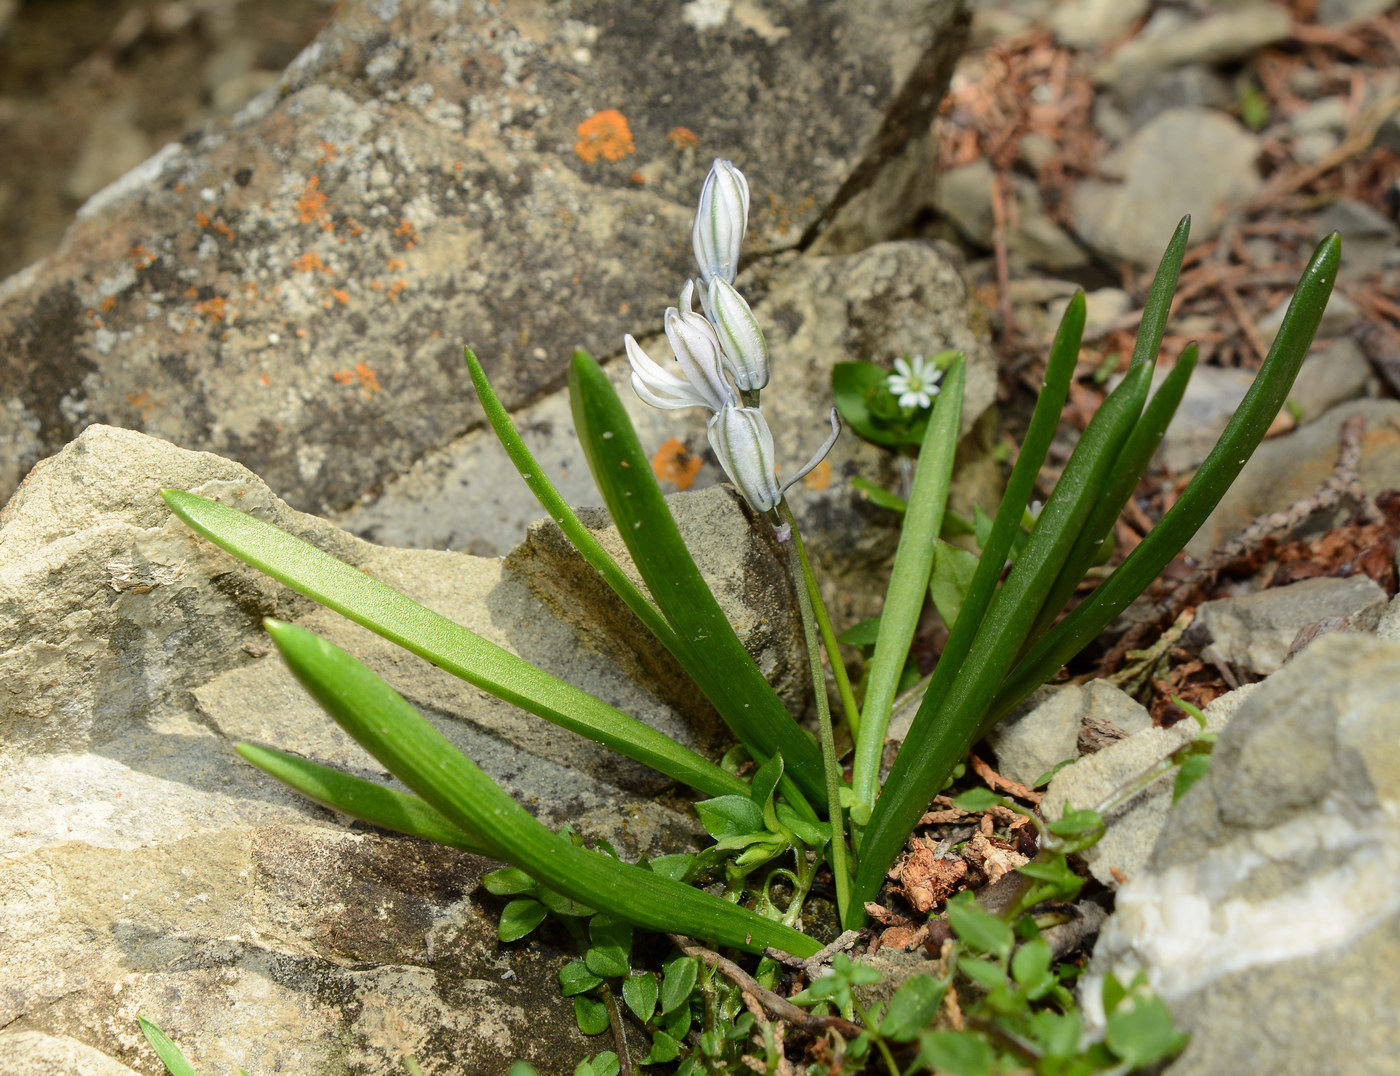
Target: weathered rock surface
1268, 917
1135, 821
1288, 468
148, 869
294, 290
1132, 215
1049, 728
1256, 631
964, 196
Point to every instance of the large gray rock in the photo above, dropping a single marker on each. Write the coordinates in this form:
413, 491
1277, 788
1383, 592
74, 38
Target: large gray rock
294, 289
1268, 917
1256, 631
1131, 215
149, 870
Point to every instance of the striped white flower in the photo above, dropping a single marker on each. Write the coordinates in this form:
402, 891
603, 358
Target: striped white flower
720, 222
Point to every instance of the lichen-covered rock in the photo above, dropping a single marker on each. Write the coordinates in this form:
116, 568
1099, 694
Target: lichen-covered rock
1268, 917
147, 869
294, 289
1050, 728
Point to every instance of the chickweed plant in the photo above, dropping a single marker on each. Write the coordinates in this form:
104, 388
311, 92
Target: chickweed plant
790, 812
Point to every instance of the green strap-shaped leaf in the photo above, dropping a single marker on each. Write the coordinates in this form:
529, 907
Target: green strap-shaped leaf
1045, 419
938, 738
450, 646
1122, 480
169, 1054
1241, 437
387, 808
1159, 299
391, 730
559, 510
710, 650
909, 576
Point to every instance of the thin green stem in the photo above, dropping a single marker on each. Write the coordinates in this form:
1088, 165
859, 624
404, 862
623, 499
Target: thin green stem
807, 596
880, 1043
838, 667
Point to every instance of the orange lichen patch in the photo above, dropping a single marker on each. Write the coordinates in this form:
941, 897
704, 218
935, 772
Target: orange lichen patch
141, 401
313, 205
191, 292
264, 380
674, 463
140, 257
682, 137
224, 230
819, 477
407, 232
202, 219
354, 227
395, 288
362, 375
108, 303
456, 166
340, 295
215, 309
329, 152
637, 178
604, 134
309, 263
396, 265
376, 285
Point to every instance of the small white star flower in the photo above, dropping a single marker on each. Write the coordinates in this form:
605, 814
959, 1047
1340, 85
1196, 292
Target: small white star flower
914, 382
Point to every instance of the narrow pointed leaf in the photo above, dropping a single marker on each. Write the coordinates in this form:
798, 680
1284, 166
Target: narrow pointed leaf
450, 646
909, 576
391, 730
710, 650
169, 1054
939, 737
1246, 429
559, 510
387, 808
1121, 481
1159, 299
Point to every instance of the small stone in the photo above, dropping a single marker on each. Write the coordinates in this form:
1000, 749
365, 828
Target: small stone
1340, 316
1133, 217
1174, 42
1089, 24
1256, 631
1389, 626
964, 195
1047, 730
1133, 825
1333, 375
1288, 468
1341, 12
1102, 306
1192, 86
1369, 237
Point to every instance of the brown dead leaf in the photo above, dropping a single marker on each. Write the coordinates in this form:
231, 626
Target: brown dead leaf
923, 879
991, 857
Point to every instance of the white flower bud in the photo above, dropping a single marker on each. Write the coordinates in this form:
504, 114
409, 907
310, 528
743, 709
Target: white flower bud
745, 352
698, 353
720, 222
744, 445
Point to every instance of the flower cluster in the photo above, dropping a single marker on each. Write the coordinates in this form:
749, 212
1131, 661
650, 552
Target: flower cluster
720, 359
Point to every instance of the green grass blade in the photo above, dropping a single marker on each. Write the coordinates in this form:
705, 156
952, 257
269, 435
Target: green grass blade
710, 650
379, 806
350, 592
1045, 419
1159, 299
391, 730
1241, 437
913, 561
940, 736
166, 1050
1122, 480
559, 510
